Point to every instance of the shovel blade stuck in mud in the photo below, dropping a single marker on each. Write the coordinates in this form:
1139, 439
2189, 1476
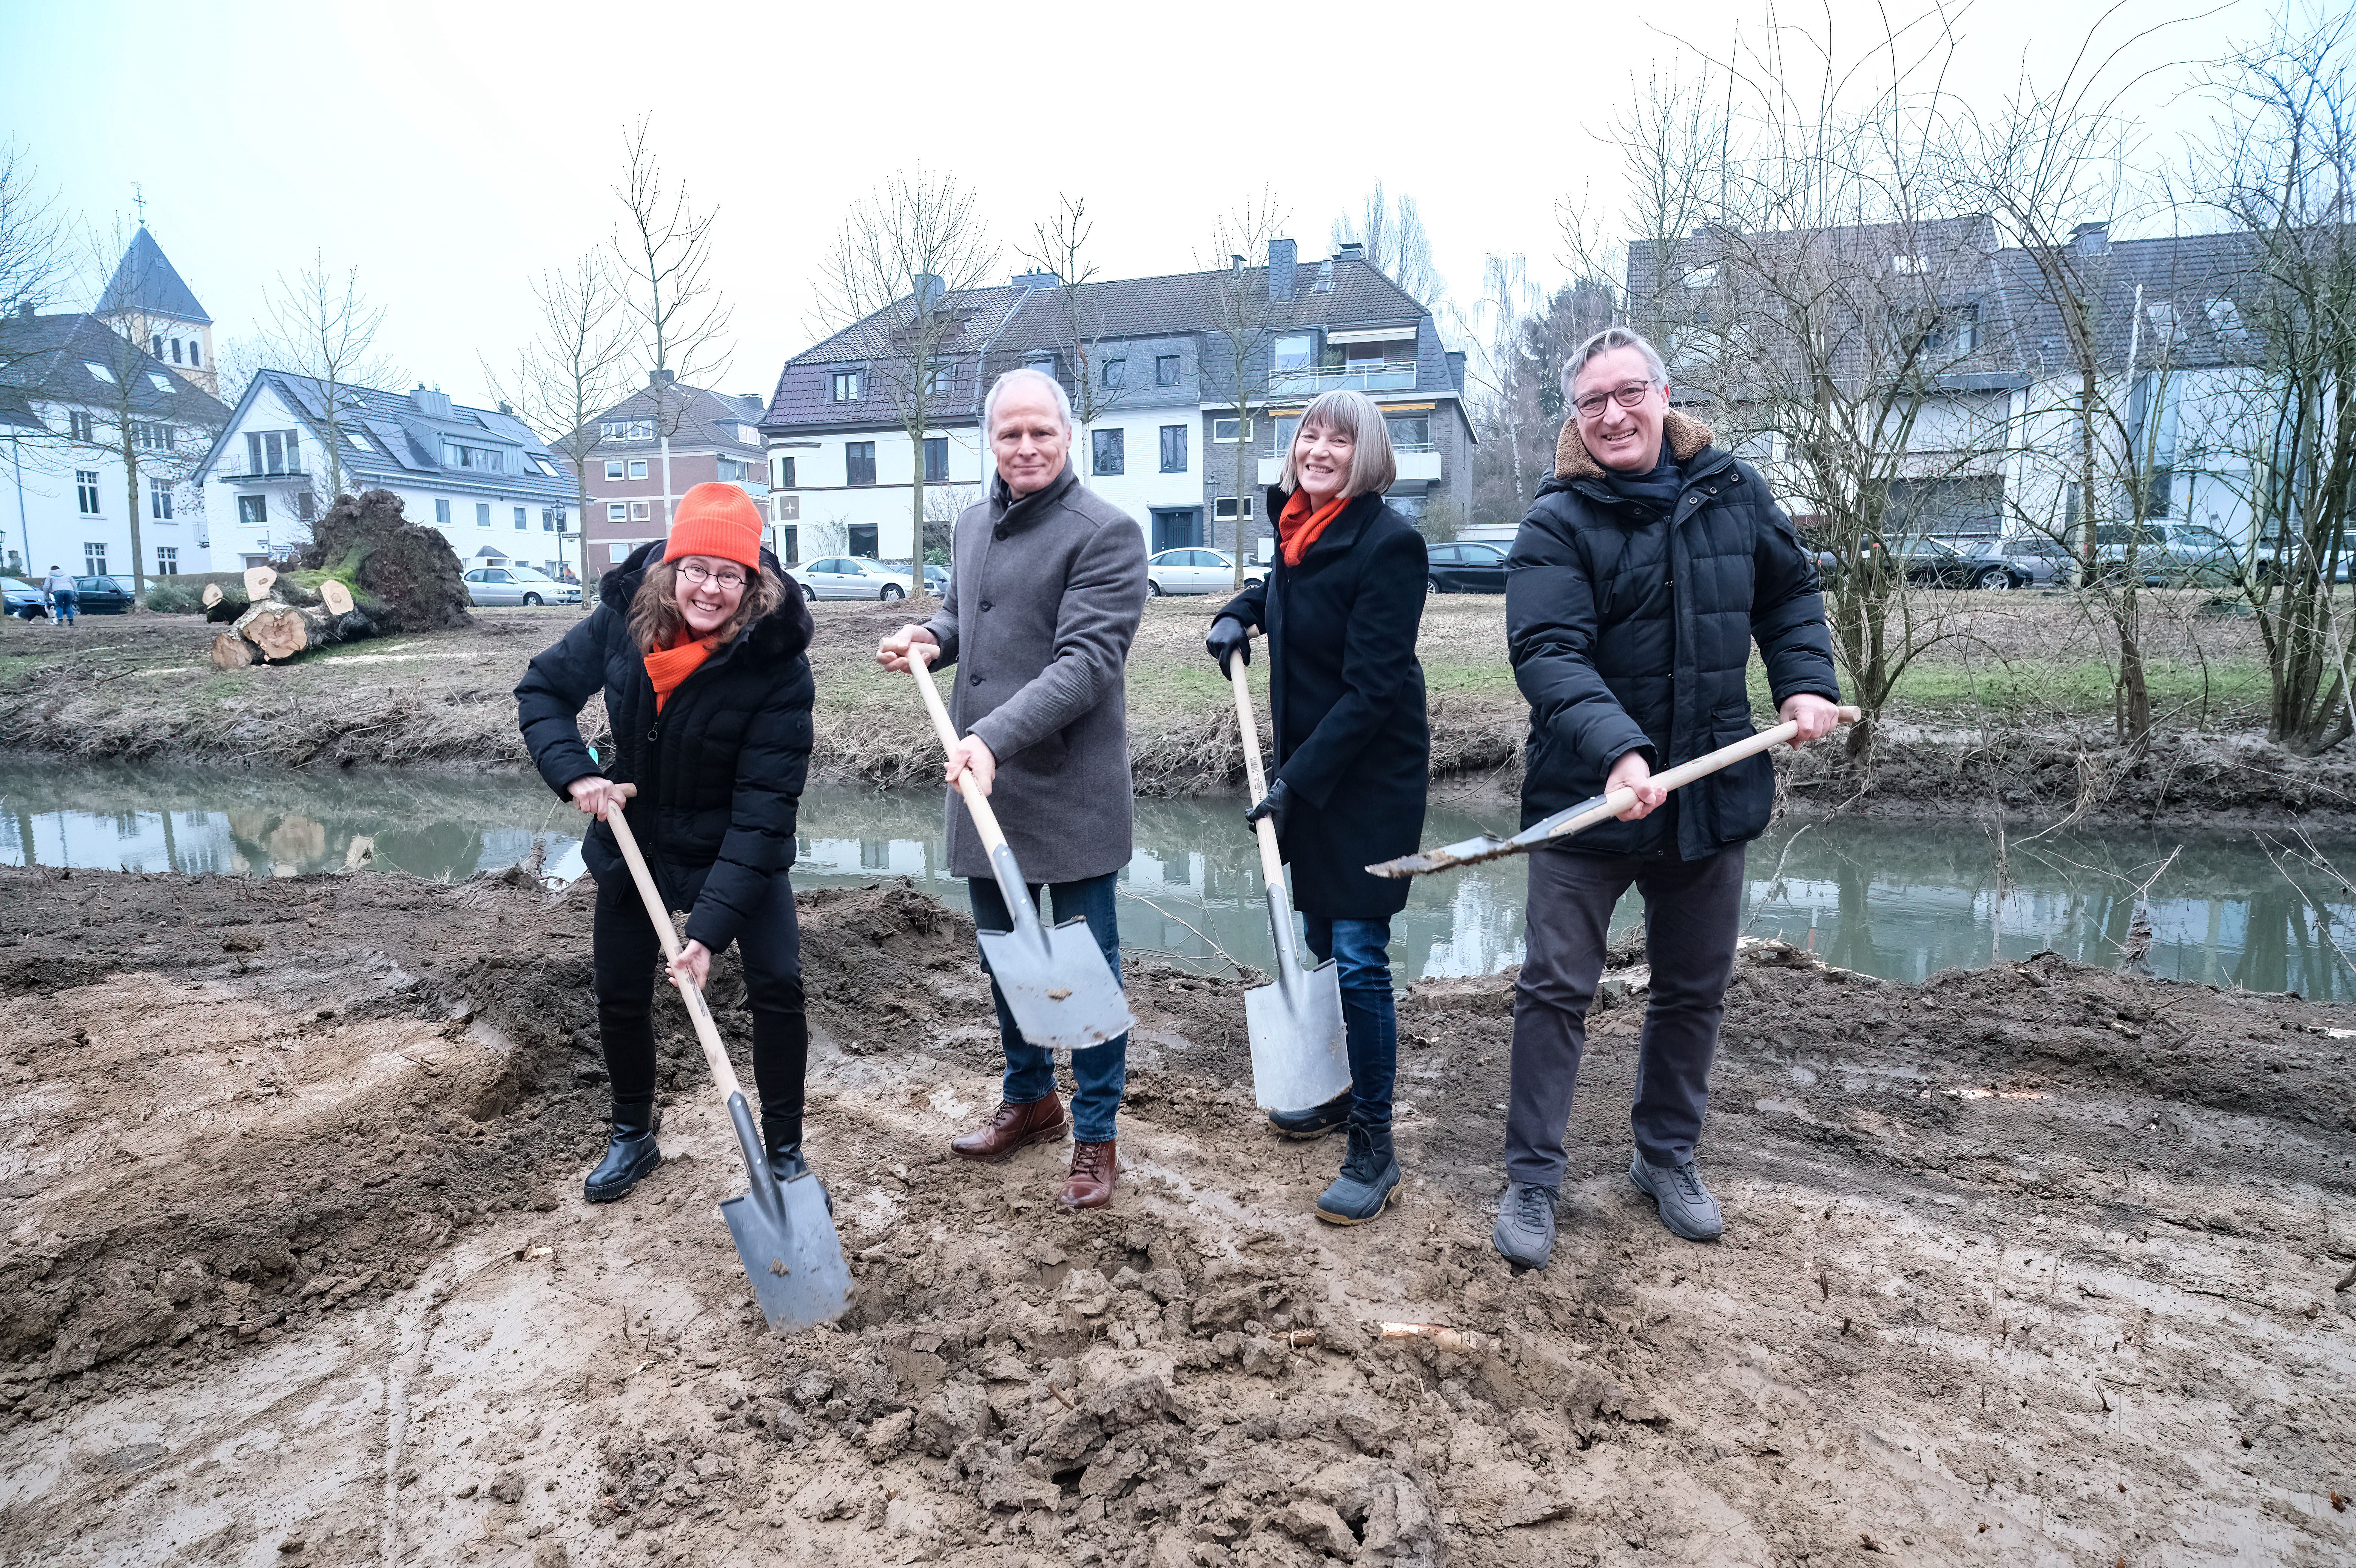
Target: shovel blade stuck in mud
1299, 1060
1063, 994
785, 1238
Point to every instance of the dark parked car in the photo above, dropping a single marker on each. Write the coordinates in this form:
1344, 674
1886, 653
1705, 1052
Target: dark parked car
936, 581
102, 595
2028, 561
1467, 568
26, 601
1930, 564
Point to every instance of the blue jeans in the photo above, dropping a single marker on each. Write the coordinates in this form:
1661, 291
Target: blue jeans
1099, 1073
66, 599
1359, 950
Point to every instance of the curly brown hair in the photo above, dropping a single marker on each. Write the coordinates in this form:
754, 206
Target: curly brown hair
656, 622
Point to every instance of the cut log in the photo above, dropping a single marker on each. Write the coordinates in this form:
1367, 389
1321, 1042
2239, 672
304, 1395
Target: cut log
281, 631
231, 651
336, 596
212, 595
258, 580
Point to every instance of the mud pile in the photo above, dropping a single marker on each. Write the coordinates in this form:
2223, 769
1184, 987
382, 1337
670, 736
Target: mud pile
2028, 1264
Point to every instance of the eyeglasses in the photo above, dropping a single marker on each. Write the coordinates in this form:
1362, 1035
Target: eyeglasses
1627, 396
726, 582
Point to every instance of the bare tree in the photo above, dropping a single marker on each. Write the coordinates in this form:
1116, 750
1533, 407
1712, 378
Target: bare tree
1504, 392
576, 367
665, 249
1059, 245
1398, 245
323, 327
35, 253
906, 253
1242, 318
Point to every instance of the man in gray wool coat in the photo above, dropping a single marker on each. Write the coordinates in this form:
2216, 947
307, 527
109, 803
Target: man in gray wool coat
1042, 603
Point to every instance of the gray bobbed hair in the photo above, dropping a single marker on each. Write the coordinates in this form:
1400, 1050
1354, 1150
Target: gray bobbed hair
1014, 381
1607, 341
1373, 468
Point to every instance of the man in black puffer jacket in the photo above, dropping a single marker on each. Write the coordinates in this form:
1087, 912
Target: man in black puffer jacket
1648, 565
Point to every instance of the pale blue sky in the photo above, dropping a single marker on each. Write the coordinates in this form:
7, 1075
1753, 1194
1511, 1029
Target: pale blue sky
452, 150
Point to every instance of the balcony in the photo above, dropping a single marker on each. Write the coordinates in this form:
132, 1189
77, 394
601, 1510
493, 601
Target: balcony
277, 477
1365, 375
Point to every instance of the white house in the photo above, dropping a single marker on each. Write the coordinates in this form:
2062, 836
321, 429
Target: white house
491, 486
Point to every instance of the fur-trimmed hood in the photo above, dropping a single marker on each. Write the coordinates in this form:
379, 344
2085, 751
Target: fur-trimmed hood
781, 634
1572, 461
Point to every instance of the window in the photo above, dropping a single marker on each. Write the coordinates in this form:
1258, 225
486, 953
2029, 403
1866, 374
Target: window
93, 560
639, 469
1294, 352
859, 462
192, 350
938, 375
86, 490
733, 471
613, 468
785, 479
936, 458
522, 526
790, 545
1224, 509
159, 499
863, 539
273, 452
2224, 319
168, 560
175, 350
255, 510
155, 437
846, 386
1173, 448
306, 505
1166, 370
482, 460
1410, 431
357, 438
159, 381
639, 511
1701, 277
442, 511
549, 520
626, 430
482, 514
1909, 266
1107, 448
100, 371
157, 345
81, 425
618, 512
1116, 373
1227, 431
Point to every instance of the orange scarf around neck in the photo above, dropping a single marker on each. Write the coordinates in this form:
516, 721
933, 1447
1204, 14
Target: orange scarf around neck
668, 667
1299, 527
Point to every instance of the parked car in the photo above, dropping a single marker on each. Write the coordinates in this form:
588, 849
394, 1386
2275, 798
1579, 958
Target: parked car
26, 601
2167, 555
2028, 561
1933, 563
102, 595
849, 577
1470, 567
936, 581
495, 586
1196, 571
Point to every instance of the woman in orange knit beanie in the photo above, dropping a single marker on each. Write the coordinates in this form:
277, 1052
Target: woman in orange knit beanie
701, 653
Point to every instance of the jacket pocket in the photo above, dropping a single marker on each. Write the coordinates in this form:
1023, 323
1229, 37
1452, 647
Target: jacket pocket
1731, 722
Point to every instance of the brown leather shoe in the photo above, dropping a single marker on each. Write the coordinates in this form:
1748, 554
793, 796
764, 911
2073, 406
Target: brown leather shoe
1038, 1122
1090, 1184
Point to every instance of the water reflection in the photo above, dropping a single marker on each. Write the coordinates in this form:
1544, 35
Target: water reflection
1898, 899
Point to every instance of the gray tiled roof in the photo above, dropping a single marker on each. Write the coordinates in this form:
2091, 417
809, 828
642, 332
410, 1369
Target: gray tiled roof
146, 280
413, 438
709, 419
47, 358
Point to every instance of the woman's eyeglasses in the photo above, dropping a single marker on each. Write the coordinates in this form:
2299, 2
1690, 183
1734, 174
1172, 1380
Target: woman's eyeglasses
726, 582
1627, 396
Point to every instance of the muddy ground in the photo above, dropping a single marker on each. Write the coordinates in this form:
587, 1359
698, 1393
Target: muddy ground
2033, 1264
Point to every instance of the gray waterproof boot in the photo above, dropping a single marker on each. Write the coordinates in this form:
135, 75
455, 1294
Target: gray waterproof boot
1686, 1206
1369, 1180
1524, 1232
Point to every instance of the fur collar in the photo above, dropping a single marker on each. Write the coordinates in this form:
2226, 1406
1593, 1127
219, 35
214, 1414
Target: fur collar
1686, 434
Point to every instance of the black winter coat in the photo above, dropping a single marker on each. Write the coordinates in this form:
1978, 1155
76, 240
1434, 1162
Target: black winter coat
1632, 633
1345, 695
720, 771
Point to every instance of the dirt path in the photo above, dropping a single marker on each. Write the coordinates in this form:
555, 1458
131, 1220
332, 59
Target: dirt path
2026, 1265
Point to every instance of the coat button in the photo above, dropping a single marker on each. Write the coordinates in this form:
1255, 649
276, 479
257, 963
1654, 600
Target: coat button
998, 533
985, 607
975, 680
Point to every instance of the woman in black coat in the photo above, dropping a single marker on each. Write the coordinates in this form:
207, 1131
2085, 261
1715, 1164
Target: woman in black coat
700, 647
1342, 606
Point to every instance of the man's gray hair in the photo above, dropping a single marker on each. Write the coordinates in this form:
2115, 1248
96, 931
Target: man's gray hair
1021, 378
1607, 341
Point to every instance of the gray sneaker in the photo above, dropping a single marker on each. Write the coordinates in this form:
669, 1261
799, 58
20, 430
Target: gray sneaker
1524, 1232
1686, 1206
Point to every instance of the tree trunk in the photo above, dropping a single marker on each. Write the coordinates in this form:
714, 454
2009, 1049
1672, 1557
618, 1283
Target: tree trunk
280, 631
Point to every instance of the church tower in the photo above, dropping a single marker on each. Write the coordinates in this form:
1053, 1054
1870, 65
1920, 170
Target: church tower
148, 303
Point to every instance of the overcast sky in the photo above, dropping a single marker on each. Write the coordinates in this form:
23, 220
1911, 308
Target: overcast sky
450, 151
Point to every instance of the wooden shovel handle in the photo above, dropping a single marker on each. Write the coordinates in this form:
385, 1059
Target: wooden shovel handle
715, 1055
977, 804
1618, 801
1271, 861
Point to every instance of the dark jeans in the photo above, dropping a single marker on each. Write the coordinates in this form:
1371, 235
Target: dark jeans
1099, 1073
1693, 912
66, 600
1359, 950
629, 964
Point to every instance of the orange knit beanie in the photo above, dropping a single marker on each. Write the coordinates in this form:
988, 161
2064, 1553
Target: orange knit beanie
719, 520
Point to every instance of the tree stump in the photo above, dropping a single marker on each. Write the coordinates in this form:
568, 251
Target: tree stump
212, 595
231, 651
258, 580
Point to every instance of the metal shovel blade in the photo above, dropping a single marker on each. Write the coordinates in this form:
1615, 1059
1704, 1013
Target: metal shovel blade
1488, 846
1299, 1060
1054, 979
786, 1239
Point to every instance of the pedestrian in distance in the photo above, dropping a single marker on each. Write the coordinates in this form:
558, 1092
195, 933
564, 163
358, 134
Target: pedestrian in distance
1342, 606
64, 597
700, 649
1648, 564
1043, 598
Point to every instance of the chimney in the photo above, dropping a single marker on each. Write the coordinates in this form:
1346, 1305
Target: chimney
24, 310
505, 409
1281, 259
2091, 239
661, 376
1234, 261
430, 403
1456, 367
1035, 280
928, 290
1352, 252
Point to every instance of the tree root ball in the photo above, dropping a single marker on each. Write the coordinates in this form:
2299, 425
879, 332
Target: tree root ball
406, 575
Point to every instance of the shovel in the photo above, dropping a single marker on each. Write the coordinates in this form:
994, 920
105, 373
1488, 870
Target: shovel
784, 1232
1587, 813
1298, 1061
1054, 979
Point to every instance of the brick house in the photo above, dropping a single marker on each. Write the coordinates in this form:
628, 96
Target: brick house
714, 436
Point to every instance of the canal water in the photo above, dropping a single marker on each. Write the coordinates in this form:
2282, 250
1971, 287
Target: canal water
1900, 900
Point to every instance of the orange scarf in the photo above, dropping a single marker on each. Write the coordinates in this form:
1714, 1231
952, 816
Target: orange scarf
1299, 527
668, 667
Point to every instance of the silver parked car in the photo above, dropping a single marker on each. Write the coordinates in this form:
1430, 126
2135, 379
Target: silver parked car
518, 585
849, 577
2027, 560
1196, 571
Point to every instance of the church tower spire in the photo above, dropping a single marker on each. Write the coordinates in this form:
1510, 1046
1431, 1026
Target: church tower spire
149, 304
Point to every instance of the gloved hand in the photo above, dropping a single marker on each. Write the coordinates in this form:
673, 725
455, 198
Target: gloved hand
1228, 636
1272, 805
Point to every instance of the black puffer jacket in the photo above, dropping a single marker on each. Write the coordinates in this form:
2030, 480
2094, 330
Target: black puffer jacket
1633, 632
720, 771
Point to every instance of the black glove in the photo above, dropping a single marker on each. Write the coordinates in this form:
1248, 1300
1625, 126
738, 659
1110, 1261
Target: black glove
1228, 636
1272, 805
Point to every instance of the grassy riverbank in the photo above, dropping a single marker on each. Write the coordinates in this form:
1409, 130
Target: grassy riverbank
2008, 704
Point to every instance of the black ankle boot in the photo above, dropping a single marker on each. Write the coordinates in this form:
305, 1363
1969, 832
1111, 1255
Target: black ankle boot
1369, 1180
782, 1136
630, 1152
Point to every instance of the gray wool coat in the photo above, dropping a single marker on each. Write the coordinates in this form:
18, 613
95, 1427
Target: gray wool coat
1043, 605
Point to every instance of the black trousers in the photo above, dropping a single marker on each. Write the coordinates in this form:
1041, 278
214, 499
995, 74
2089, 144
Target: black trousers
629, 965
1693, 913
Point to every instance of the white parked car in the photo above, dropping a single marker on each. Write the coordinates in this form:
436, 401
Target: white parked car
1196, 571
849, 577
518, 586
